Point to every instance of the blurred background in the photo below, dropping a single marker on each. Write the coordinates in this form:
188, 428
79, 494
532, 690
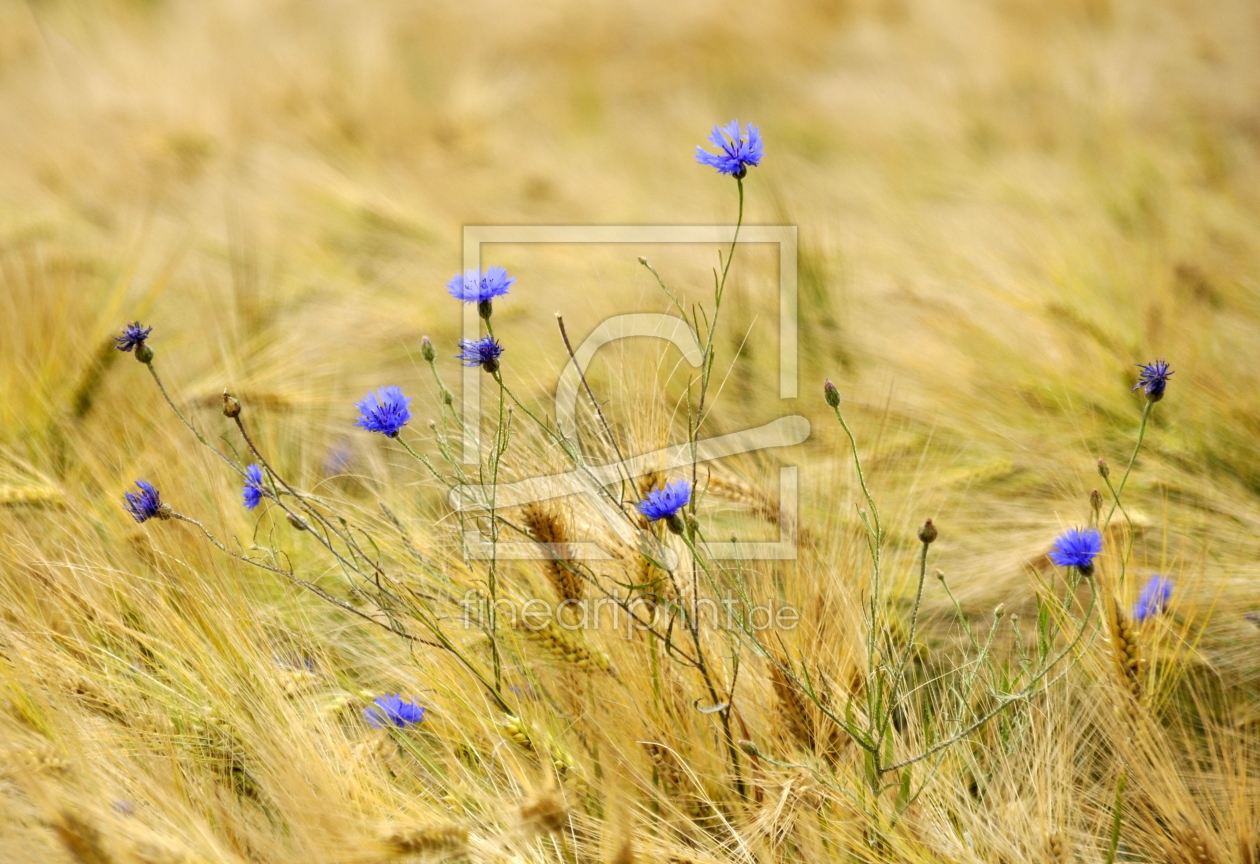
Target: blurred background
1002, 205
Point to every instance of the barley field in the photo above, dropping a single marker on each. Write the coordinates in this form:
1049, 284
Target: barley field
1005, 212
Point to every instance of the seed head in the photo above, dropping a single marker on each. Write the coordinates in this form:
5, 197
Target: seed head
545, 813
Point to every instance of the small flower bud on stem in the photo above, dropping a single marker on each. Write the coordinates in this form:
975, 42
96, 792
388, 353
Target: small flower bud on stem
296, 522
231, 405
831, 394
927, 533
144, 354
485, 309
674, 523
426, 349
1103, 470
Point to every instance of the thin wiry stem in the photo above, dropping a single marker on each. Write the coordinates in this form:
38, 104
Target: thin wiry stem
191, 428
302, 583
1146, 415
612, 439
1005, 702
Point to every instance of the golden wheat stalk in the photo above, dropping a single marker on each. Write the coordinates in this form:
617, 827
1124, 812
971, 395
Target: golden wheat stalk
81, 841
545, 813
566, 645
1126, 652
1195, 847
426, 838
1058, 849
547, 527
793, 708
31, 496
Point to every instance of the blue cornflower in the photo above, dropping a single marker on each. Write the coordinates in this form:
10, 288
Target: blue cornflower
665, 504
476, 287
481, 288
253, 492
1153, 597
1077, 548
385, 411
393, 711
145, 504
480, 352
1153, 379
133, 336
739, 150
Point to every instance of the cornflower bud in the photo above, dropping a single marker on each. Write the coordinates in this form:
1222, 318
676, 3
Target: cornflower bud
426, 350
831, 394
927, 533
231, 405
1103, 470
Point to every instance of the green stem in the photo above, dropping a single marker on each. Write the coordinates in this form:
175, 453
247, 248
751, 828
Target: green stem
1116, 819
191, 428
1146, 414
1006, 701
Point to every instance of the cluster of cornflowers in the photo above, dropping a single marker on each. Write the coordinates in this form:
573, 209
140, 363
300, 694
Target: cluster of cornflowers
387, 412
